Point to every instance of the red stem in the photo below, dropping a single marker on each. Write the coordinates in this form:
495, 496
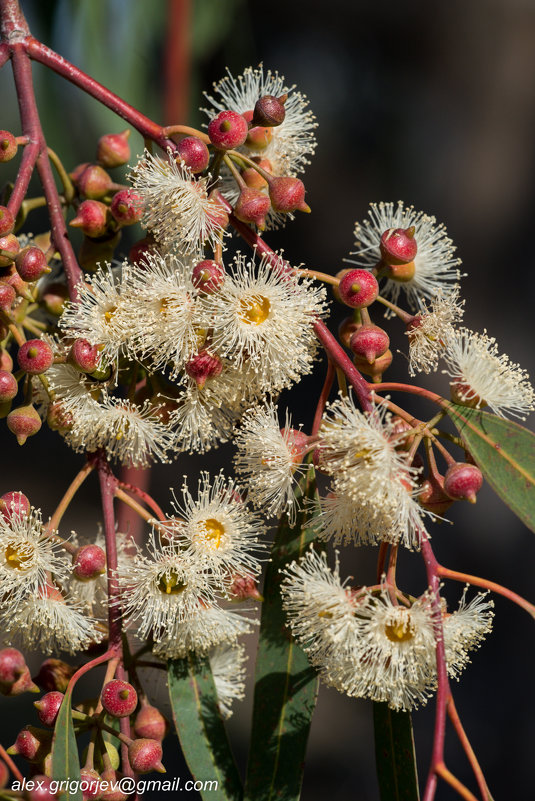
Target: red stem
469, 751
4, 54
148, 499
443, 690
327, 385
108, 483
342, 360
146, 127
31, 127
466, 578
11, 765
27, 164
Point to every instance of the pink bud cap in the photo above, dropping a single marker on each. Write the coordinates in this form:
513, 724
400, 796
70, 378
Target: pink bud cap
35, 356
113, 150
24, 422
31, 264
8, 146
92, 218
193, 153
358, 289
288, 195
228, 130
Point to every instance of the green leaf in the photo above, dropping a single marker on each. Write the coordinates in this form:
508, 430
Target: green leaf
200, 727
65, 761
505, 454
394, 754
286, 685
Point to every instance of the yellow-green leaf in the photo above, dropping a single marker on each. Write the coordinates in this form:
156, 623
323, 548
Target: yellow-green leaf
65, 761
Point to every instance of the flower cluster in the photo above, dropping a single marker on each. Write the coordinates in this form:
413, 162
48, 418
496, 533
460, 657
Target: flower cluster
372, 644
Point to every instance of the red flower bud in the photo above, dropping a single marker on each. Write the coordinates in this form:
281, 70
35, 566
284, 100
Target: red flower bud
14, 503
358, 289
119, 698
113, 150
193, 153
369, 342
398, 245
35, 356
83, 355
94, 182
48, 707
33, 744
10, 243
145, 756
258, 138
24, 422
252, 177
92, 217
463, 481
42, 790
202, 366
287, 195
377, 368
127, 207
252, 206
31, 264
208, 276
7, 297
54, 675
150, 723
8, 386
89, 561
8, 146
7, 221
227, 130
269, 111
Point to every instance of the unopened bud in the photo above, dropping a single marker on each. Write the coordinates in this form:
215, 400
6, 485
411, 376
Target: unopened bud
35, 356
377, 368
463, 481
288, 195
7, 297
358, 289
89, 561
24, 422
369, 342
202, 366
94, 182
145, 756
92, 218
83, 355
54, 674
8, 386
252, 177
269, 111
48, 707
227, 130
113, 150
8, 146
31, 264
252, 206
193, 153
10, 243
258, 138
150, 723
54, 296
208, 276
7, 221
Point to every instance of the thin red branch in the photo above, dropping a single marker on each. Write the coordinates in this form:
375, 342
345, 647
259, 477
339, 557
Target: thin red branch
108, 483
11, 765
24, 175
469, 751
145, 497
342, 360
145, 126
324, 396
467, 578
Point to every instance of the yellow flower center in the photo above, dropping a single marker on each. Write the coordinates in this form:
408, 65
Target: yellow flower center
171, 584
255, 309
17, 557
110, 314
213, 531
401, 630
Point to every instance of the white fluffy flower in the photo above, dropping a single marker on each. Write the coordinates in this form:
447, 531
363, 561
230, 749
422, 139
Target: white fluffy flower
263, 317
358, 450
218, 528
206, 628
290, 144
427, 337
162, 589
49, 623
269, 460
465, 630
165, 295
103, 314
228, 670
27, 555
436, 269
177, 208
483, 377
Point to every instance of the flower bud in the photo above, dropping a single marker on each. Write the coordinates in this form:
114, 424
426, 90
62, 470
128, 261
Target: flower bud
14, 504
58, 418
23, 684
369, 342
433, 498
42, 790
10, 243
8, 146
54, 296
193, 153
258, 138
113, 793
463, 481
202, 366
252, 177
31, 264
94, 182
54, 675
269, 111
89, 561
398, 245
91, 780
6, 362
113, 150
227, 130
7, 221
35, 356
208, 276
252, 207
7, 297
127, 207
24, 422
287, 195
346, 329
78, 171
145, 756
48, 707
358, 289
150, 723
12, 666
403, 273
377, 368
33, 744
83, 355
8, 386
92, 218
119, 698
244, 588
216, 213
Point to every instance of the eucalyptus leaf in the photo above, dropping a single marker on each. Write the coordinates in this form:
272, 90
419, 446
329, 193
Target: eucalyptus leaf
65, 761
394, 754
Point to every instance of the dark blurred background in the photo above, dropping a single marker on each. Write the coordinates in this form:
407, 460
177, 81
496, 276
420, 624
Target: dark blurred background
432, 103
